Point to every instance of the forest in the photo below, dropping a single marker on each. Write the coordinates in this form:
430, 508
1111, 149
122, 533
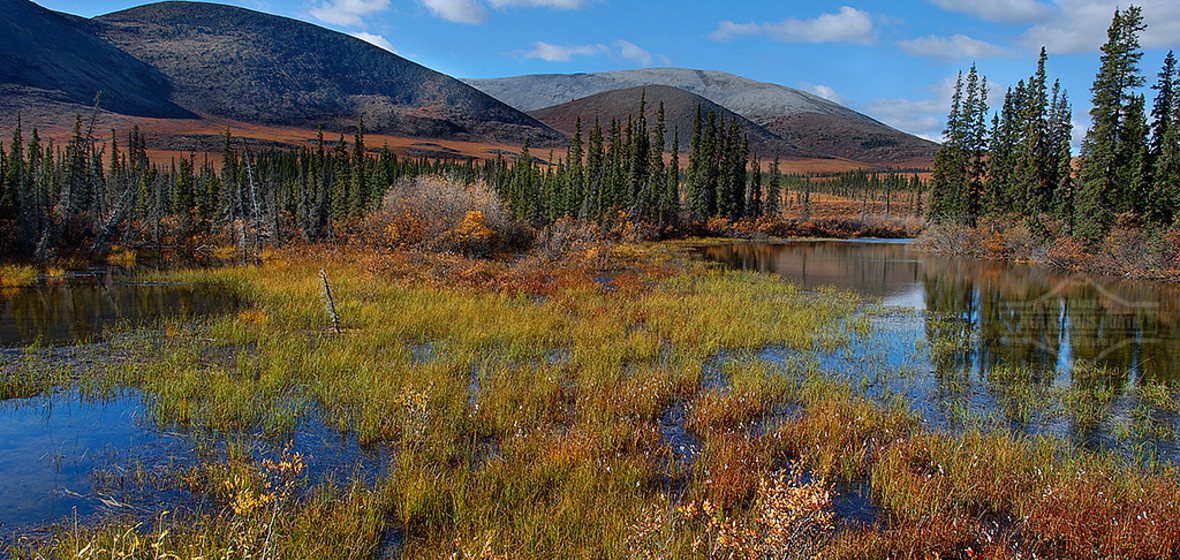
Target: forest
1126, 175
90, 193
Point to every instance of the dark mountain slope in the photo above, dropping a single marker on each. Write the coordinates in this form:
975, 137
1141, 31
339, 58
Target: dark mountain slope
679, 111
235, 63
47, 57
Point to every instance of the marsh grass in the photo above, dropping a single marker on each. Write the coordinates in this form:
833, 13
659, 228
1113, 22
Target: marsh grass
17, 275
524, 401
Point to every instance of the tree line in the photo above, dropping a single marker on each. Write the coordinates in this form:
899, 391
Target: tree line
628, 169
1021, 163
88, 194
93, 192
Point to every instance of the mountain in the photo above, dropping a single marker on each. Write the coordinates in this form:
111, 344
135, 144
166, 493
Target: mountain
47, 58
244, 65
796, 116
680, 109
211, 61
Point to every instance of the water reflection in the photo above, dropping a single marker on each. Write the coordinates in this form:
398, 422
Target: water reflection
981, 315
80, 310
62, 455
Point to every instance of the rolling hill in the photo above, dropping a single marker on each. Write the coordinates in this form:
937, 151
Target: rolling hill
680, 109
190, 69
190, 59
797, 117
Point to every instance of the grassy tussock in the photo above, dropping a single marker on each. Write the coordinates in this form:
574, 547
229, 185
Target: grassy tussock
16, 275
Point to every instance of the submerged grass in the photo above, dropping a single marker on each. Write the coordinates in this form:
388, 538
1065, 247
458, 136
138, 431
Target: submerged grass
524, 402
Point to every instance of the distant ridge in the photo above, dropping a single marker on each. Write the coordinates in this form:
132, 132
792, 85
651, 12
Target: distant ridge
760, 102
798, 117
679, 112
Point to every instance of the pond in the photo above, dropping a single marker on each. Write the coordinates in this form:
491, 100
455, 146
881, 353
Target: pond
81, 308
1091, 358
65, 457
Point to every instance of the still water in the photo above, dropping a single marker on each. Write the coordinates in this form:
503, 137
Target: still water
1015, 314
64, 457
965, 330
81, 309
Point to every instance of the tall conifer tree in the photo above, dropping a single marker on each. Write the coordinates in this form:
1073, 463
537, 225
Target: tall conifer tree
1103, 169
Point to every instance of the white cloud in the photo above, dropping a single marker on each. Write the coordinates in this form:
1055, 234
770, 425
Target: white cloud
375, 40
557, 53
1080, 26
953, 47
458, 11
824, 92
348, 12
619, 50
629, 51
924, 117
555, 4
1006, 11
850, 25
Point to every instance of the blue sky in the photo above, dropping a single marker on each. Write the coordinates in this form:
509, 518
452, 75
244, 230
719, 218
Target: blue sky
895, 61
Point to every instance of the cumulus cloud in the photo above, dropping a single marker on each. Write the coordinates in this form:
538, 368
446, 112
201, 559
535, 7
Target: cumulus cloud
924, 117
555, 4
824, 92
619, 50
629, 51
850, 25
558, 53
459, 11
953, 47
348, 12
375, 40
1005, 11
1080, 26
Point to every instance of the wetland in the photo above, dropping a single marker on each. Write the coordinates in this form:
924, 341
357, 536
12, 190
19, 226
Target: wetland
854, 398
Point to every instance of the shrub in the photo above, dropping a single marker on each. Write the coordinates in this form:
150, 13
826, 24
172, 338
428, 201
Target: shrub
439, 214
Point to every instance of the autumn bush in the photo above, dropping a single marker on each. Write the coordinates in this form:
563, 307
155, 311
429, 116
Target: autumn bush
443, 215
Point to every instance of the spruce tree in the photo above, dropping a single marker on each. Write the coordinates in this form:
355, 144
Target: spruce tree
1165, 103
575, 167
1100, 189
670, 205
774, 190
975, 118
359, 192
595, 175
1165, 189
950, 163
696, 187
656, 179
1033, 160
712, 148
754, 202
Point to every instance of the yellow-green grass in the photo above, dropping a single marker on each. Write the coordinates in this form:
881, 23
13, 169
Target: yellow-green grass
24, 275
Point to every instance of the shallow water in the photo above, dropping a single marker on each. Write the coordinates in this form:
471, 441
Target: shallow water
954, 327
63, 455
81, 309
